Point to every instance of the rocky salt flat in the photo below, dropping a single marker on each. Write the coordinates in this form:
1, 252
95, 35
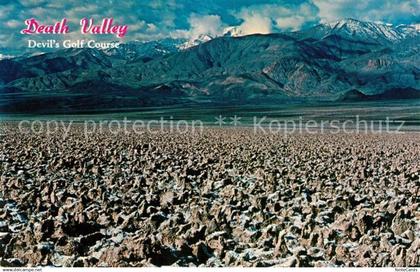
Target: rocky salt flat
225, 197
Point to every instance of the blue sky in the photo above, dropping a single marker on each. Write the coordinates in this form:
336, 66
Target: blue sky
148, 20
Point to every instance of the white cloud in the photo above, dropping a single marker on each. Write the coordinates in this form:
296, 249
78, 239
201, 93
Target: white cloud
255, 23
265, 18
152, 28
368, 10
255, 19
14, 23
210, 25
293, 23
205, 25
5, 11
142, 26
294, 19
32, 3
137, 26
39, 12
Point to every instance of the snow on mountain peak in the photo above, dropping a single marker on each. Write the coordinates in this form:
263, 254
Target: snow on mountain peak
202, 38
372, 31
349, 27
233, 31
4, 56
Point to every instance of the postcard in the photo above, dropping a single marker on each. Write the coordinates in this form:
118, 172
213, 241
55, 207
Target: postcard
210, 134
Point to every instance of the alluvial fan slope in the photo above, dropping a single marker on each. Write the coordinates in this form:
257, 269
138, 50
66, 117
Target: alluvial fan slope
223, 197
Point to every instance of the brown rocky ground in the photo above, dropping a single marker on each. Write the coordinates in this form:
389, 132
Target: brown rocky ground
226, 197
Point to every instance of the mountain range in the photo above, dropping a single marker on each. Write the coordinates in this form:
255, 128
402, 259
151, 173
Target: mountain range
347, 60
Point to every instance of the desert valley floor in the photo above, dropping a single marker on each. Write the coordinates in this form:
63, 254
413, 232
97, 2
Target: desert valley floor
223, 197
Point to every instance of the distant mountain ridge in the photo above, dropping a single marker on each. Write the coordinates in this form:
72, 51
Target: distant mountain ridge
368, 31
321, 63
